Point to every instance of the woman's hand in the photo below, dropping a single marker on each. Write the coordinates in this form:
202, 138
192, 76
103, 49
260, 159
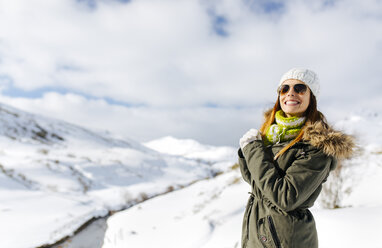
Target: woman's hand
248, 137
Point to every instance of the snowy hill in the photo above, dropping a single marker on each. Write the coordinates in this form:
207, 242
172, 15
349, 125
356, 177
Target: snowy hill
208, 214
55, 176
192, 149
205, 214
220, 157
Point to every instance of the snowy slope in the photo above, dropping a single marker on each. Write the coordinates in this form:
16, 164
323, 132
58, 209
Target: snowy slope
219, 157
192, 149
208, 214
55, 176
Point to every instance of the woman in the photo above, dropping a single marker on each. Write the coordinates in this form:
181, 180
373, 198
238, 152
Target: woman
286, 163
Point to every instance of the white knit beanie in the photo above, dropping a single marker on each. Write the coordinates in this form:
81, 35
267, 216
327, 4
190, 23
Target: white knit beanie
307, 76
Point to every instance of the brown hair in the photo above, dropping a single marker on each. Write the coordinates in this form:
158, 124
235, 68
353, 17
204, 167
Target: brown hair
312, 115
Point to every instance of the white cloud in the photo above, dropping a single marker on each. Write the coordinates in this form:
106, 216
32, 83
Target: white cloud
166, 56
210, 125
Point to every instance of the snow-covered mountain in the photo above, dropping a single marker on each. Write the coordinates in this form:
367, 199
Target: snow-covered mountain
192, 149
217, 156
55, 176
208, 214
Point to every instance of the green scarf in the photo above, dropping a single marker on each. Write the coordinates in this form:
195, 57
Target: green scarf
286, 128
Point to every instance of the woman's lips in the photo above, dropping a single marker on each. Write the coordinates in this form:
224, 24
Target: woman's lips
291, 103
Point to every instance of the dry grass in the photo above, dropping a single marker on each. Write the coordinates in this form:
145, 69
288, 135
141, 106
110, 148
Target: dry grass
235, 166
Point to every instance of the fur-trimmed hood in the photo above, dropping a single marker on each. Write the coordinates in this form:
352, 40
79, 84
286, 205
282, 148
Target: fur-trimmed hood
332, 142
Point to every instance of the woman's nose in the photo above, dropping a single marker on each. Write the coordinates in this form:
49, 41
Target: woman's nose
291, 91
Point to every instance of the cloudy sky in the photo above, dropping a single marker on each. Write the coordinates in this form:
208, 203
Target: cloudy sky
200, 69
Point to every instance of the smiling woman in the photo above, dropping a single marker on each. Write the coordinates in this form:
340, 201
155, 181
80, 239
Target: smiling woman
286, 163
294, 97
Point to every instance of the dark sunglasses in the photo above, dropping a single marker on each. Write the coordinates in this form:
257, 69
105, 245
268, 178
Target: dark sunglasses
298, 88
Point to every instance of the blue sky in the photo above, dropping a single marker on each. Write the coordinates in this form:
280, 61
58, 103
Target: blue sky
205, 70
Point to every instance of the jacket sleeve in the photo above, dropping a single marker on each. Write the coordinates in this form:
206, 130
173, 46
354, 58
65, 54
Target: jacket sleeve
300, 181
243, 167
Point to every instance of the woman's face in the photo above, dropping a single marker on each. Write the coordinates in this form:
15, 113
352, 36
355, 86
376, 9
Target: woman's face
294, 103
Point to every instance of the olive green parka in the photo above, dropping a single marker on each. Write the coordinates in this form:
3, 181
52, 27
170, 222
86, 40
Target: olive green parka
277, 212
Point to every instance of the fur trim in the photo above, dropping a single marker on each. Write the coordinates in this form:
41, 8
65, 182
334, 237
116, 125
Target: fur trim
333, 143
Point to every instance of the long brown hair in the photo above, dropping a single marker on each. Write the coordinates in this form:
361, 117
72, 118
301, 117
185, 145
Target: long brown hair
312, 115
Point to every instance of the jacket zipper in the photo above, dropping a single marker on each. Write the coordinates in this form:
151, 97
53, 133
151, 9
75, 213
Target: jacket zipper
273, 232
249, 213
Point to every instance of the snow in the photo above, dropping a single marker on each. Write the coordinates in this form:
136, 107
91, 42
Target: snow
55, 176
192, 149
208, 214
349, 227
40, 217
205, 214
219, 157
